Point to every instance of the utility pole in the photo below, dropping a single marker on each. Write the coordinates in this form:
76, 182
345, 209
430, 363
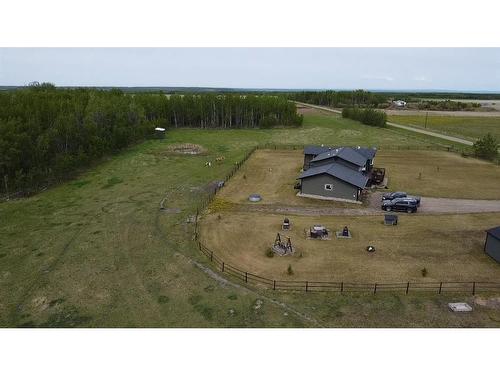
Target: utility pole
6, 186
426, 115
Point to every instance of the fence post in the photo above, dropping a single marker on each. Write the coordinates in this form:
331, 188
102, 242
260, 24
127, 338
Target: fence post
375, 289
407, 287
274, 284
246, 277
307, 283
473, 288
222, 266
440, 287
211, 256
341, 287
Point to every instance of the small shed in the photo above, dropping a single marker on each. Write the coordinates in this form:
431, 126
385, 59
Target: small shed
160, 133
391, 219
492, 244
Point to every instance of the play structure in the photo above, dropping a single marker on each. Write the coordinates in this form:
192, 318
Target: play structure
281, 247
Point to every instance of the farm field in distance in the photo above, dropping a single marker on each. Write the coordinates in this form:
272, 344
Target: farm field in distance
464, 126
98, 252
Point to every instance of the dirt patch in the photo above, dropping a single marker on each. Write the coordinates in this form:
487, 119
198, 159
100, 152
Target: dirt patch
186, 149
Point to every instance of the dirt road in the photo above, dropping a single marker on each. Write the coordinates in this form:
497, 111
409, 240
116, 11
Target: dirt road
409, 128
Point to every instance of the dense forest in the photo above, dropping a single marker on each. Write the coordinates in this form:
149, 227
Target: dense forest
47, 133
366, 116
339, 98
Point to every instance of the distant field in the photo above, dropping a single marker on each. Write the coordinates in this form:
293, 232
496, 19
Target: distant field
467, 127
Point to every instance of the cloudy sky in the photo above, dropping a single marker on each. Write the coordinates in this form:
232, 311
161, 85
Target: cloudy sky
473, 69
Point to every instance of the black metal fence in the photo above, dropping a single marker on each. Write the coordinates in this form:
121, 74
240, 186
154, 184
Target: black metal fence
438, 287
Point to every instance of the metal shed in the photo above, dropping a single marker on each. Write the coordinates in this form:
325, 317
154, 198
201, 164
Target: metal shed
492, 243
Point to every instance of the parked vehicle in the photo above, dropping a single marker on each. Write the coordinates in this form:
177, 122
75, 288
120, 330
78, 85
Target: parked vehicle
409, 205
399, 194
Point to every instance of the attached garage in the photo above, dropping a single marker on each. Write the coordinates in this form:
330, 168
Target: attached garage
492, 244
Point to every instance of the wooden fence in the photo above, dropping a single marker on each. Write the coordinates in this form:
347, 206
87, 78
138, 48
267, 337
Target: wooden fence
438, 287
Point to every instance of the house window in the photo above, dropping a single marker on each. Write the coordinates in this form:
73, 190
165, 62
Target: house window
328, 187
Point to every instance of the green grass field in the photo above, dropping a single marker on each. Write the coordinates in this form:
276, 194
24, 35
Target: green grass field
470, 128
98, 252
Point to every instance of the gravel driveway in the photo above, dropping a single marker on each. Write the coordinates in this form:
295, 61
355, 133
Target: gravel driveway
447, 205
427, 206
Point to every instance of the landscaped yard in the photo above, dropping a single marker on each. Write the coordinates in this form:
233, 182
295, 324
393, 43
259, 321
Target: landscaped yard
467, 127
449, 247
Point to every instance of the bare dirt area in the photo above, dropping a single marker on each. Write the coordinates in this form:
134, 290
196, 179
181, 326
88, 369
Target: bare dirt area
186, 149
415, 112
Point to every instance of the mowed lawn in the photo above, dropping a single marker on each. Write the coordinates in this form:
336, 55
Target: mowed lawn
466, 127
273, 173
449, 247
440, 174
98, 252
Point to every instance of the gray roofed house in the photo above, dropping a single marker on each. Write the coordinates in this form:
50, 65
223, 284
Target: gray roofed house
339, 173
354, 157
333, 182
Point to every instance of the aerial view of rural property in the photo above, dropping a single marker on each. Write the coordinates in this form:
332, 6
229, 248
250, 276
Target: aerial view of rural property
252, 188
153, 206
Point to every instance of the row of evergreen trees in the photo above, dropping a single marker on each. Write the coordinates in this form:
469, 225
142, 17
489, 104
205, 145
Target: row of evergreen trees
339, 99
46, 133
366, 116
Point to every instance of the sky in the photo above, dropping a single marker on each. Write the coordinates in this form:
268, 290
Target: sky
455, 69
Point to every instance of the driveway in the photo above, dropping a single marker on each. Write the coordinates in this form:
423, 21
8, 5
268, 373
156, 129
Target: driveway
446, 205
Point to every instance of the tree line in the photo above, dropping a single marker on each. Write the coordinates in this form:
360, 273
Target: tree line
339, 99
47, 133
447, 105
366, 116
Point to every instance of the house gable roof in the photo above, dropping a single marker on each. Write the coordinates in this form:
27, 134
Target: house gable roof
495, 232
345, 153
339, 171
315, 150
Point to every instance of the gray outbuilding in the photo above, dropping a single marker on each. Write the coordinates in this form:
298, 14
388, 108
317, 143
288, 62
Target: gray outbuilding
492, 244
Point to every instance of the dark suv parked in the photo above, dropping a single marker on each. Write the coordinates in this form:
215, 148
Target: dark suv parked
399, 194
400, 204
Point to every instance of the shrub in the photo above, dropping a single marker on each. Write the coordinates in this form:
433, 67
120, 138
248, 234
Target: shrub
424, 272
289, 270
486, 147
368, 116
269, 253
